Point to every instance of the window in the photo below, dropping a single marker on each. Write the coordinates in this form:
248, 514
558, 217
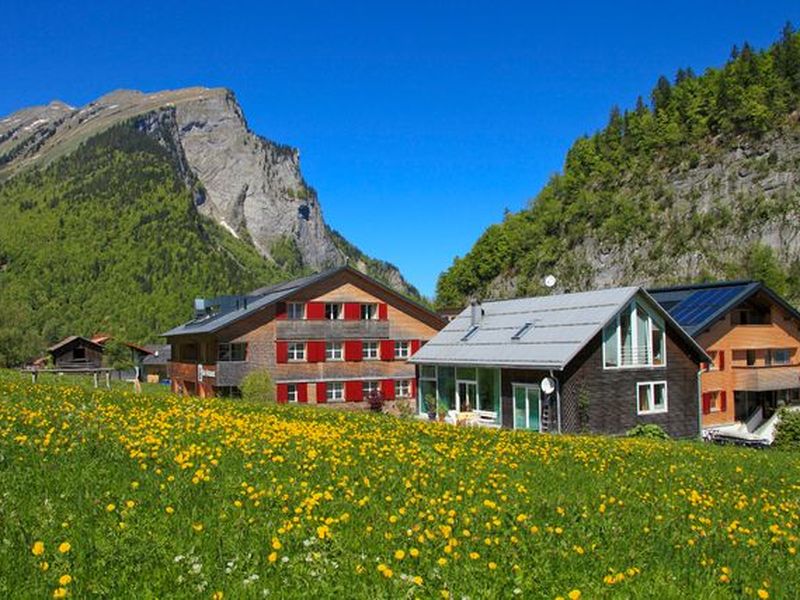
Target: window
189, 351
651, 397
401, 349
522, 331
296, 311
79, 353
369, 350
291, 392
402, 388
297, 351
333, 311
370, 388
751, 358
369, 312
333, 351
750, 316
470, 332
779, 356
334, 391
236, 352
635, 338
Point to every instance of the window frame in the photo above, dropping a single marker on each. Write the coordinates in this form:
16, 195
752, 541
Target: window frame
373, 313
372, 383
651, 399
771, 362
372, 344
292, 389
339, 311
334, 391
398, 384
406, 353
614, 326
334, 351
292, 352
291, 308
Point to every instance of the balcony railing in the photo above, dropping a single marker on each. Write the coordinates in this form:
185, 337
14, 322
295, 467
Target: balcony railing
762, 379
339, 329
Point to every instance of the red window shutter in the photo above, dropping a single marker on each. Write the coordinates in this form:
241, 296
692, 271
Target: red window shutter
723, 401
281, 352
383, 311
387, 349
322, 390
721, 360
353, 350
387, 389
353, 391
280, 310
315, 351
282, 393
413, 388
414, 346
315, 311
706, 403
302, 392
352, 311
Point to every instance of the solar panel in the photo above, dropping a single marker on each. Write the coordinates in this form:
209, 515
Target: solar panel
702, 304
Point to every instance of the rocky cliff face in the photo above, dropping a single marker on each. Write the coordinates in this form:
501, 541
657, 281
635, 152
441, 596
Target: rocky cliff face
251, 186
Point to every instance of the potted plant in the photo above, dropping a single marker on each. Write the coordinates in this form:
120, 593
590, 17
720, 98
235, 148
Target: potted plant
430, 406
441, 410
375, 401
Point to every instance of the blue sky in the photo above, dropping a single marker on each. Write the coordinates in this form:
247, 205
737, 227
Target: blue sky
418, 122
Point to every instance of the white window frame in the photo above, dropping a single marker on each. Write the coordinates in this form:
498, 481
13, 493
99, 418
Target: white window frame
334, 351
402, 388
296, 352
615, 322
368, 386
372, 345
339, 312
374, 311
292, 311
402, 349
292, 392
652, 410
334, 391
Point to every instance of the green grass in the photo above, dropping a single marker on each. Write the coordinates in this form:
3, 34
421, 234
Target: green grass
160, 496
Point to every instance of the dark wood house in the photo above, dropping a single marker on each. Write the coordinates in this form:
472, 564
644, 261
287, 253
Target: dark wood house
77, 352
602, 361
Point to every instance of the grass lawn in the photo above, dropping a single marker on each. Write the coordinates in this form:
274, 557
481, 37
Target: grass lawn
105, 493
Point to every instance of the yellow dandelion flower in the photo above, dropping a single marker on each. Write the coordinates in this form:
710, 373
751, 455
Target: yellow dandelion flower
399, 554
111, 507
169, 510
64, 547
492, 566
474, 555
44, 565
276, 544
37, 549
417, 580
217, 596
441, 561
414, 553
763, 594
65, 580
574, 595
198, 527
60, 592
273, 556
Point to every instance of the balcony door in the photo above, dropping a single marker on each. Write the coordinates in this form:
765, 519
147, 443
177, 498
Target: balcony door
466, 396
527, 407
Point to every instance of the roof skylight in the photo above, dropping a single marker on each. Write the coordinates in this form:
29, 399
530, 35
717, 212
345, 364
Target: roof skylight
522, 331
470, 332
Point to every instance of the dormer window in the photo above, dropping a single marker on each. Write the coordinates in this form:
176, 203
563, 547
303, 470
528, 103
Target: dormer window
522, 331
470, 332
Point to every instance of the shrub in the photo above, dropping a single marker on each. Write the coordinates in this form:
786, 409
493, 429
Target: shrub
787, 433
650, 431
258, 385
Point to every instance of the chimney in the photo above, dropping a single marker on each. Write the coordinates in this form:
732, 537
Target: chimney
476, 312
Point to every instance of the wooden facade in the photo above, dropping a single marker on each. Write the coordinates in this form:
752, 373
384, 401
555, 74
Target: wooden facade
205, 364
756, 364
76, 352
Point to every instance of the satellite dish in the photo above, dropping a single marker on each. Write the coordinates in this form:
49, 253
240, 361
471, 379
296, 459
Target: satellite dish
548, 385
550, 281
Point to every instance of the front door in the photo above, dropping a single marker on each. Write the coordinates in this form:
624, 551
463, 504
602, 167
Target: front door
527, 407
466, 396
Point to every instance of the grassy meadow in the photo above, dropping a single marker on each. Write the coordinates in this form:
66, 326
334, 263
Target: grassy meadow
108, 494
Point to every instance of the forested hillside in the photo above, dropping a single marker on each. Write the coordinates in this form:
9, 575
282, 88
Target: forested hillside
701, 182
107, 238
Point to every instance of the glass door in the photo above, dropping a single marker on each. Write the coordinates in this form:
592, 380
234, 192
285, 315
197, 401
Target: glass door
526, 407
466, 395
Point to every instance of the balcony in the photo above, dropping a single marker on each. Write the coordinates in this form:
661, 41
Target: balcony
764, 379
339, 330
192, 372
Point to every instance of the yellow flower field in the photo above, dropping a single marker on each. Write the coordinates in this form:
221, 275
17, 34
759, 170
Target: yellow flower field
108, 494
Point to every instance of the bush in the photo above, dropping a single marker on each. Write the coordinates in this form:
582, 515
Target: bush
258, 385
787, 433
649, 431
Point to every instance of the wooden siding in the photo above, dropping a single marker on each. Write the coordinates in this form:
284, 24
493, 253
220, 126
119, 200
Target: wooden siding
734, 340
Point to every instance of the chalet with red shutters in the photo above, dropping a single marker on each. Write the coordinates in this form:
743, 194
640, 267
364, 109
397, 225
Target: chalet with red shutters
337, 336
753, 338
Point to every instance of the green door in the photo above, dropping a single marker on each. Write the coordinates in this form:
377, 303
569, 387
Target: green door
526, 407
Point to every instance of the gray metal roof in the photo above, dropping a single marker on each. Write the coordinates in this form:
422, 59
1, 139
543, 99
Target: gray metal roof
562, 326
